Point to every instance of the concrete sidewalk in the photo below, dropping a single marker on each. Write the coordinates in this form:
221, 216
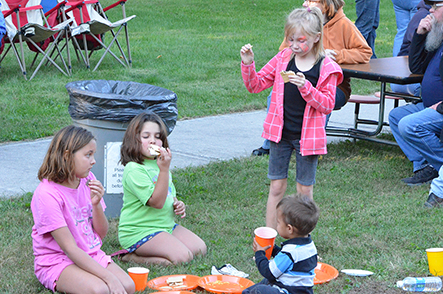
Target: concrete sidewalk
193, 142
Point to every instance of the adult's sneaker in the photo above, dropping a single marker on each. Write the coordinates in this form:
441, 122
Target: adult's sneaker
228, 269
433, 201
423, 176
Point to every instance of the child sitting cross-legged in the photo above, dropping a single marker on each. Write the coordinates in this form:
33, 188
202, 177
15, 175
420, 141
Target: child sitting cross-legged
292, 268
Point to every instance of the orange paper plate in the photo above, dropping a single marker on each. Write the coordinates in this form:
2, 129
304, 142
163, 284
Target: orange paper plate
189, 283
224, 284
324, 273
174, 292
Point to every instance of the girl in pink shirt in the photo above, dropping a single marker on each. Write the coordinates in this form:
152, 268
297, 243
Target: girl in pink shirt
69, 220
298, 108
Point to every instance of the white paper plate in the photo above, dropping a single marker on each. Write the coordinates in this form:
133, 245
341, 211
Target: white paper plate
357, 272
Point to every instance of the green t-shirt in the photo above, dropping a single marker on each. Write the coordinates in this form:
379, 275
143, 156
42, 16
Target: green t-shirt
137, 220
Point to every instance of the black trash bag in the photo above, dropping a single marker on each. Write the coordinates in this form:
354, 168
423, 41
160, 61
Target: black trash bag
120, 101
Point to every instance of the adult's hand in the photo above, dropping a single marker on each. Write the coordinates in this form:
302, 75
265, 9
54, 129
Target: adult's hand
425, 24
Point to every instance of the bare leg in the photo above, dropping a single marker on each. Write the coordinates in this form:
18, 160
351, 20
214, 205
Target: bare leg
194, 243
166, 246
76, 280
132, 257
124, 278
305, 190
276, 192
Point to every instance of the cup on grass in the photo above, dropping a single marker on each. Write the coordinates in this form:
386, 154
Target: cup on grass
435, 261
140, 277
265, 236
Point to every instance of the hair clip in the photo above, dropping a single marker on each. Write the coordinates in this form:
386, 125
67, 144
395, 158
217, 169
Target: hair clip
308, 9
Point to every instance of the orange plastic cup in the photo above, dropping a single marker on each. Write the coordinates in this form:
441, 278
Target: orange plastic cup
140, 277
435, 261
265, 236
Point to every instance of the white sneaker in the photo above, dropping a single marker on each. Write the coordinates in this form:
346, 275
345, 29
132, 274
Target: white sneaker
228, 269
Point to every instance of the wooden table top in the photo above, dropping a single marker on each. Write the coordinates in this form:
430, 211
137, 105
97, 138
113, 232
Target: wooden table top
389, 70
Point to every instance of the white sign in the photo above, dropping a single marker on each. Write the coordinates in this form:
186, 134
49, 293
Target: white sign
113, 169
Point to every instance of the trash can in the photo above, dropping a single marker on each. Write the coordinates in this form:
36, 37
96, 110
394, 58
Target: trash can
105, 108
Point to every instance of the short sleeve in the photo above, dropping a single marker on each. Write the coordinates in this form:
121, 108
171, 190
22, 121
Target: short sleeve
141, 183
48, 212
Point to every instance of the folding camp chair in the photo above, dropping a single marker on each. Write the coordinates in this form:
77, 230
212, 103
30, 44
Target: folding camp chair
90, 23
25, 22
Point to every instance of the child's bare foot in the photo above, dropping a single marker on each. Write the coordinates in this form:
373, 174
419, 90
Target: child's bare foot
132, 257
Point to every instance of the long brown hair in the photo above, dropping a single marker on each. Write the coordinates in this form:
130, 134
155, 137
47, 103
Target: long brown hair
58, 164
131, 148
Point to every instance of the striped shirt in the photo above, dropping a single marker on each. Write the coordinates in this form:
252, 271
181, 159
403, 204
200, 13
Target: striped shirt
293, 266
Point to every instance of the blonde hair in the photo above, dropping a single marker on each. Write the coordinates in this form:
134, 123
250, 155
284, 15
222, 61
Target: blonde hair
309, 21
58, 165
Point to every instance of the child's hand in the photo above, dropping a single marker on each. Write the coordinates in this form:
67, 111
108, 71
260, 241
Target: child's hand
298, 79
256, 247
247, 56
164, 159
179, 208
97, 191
331, 53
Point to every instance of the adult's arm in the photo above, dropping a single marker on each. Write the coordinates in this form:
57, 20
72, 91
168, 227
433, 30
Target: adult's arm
418, 56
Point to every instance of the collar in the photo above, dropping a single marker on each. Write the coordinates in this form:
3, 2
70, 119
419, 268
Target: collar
298, 241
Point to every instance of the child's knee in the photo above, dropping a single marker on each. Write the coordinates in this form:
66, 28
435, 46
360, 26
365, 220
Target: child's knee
98, 288
182, 257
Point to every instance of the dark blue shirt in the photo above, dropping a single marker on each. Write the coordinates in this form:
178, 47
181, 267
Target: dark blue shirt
432, 85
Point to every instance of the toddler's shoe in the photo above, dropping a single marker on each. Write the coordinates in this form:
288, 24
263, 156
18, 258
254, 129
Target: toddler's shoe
228, 269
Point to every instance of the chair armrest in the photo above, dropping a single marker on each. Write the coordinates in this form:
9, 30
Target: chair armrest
56, 7
114, 5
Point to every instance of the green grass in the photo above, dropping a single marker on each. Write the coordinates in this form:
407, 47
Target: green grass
369, 220
188, 46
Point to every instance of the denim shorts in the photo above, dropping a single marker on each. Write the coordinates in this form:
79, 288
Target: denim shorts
280, 156
145, 239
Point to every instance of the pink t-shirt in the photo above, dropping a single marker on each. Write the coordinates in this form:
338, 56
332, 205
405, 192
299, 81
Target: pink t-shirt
55, 206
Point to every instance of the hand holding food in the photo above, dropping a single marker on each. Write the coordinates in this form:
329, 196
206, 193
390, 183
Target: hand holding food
247, 56
154, 150
286, 74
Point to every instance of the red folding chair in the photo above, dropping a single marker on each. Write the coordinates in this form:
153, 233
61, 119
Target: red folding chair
90, 24
26, 23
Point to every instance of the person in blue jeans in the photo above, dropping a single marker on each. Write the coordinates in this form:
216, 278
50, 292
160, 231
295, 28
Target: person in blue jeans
422, 12
292, 270
417, 127
404, 11
368, 18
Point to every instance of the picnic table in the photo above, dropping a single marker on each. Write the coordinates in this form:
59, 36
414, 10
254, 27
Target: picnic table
383, 70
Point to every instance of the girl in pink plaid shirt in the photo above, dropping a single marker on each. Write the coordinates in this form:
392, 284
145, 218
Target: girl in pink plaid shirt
298, 109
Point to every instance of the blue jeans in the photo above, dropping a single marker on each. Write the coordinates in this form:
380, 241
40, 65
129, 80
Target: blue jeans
368, 17
404, 11
417, 131
263, 288
411, 89
266, 143
437, 184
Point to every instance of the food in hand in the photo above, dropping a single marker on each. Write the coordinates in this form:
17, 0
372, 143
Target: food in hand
285, 75
174, 281
87, 182
154, 150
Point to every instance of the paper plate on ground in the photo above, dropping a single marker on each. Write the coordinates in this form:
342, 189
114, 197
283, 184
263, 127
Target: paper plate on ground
224, 284
357, 272
160, 283
324, 273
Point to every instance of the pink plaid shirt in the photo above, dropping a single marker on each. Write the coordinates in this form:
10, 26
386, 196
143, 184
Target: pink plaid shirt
319, 100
